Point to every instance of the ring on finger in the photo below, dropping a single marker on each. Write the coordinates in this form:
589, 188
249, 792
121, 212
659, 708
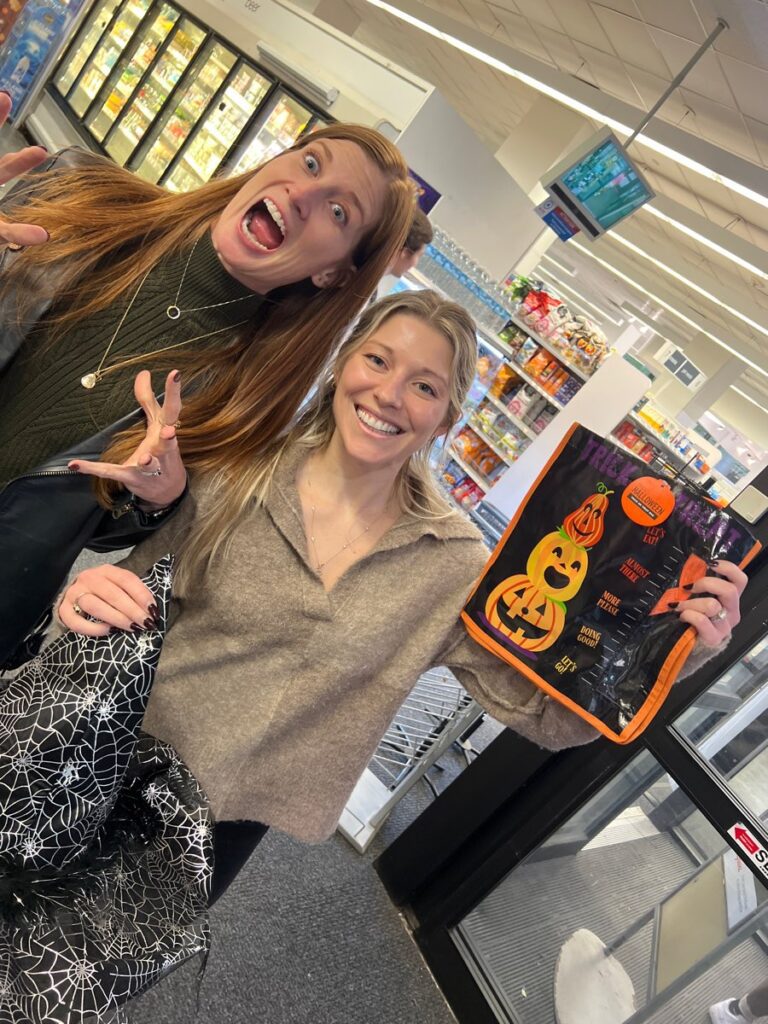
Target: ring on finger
153, 472
76, 605
722, 614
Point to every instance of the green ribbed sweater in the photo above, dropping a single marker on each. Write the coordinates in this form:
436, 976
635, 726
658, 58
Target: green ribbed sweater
45, 410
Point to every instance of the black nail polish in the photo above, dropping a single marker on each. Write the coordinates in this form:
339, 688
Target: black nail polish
176, 377
687, 586
6, 92
673, 604
136, 628
153, 611
150, 623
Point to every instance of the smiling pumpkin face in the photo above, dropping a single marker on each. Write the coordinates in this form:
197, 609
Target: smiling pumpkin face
523, 612
585, 525
558, 566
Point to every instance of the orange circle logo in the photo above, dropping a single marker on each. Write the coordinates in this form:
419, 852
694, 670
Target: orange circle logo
648, 501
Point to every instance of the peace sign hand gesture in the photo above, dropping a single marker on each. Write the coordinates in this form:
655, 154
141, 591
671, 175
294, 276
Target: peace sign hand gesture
11, 166
154, 472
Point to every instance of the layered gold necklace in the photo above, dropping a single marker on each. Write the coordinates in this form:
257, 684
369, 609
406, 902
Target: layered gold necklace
173, 312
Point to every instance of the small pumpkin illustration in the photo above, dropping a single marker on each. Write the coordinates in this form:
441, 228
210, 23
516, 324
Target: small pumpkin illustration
524, 613
585, 525
558, 565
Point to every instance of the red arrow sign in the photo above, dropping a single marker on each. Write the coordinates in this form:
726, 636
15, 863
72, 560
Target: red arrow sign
745, 839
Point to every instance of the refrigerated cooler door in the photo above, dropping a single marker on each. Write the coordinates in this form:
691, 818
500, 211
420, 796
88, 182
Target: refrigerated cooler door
285, 122
86, 42
98, 67
139, 115
129, 70
220, 131
175, 124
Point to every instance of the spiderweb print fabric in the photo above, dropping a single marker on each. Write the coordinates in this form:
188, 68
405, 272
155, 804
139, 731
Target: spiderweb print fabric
105, 836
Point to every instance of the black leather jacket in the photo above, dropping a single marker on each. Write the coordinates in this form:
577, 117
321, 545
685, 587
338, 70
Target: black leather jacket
47, 516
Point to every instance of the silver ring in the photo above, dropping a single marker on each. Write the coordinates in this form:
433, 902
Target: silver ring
722, 614
155, 472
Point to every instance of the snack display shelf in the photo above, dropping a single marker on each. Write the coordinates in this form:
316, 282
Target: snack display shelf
510, 361
550, 347
510, 416
658, 439
470, 470
691, 469
504, 456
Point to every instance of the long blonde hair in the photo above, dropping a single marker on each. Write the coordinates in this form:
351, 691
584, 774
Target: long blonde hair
417, 491
110, 227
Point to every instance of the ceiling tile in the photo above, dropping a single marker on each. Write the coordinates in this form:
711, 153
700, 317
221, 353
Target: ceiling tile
628, 7
632, 41
479, 15
563, 52
539, 12
719, 124
676, 16
759, 132
750, 86
521, 34
580, 24
609, 71
705, 78
747, 36
649, 87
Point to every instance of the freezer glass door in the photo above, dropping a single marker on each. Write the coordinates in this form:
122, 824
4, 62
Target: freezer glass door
86, 43
107, 54
220, 130
284, 124
139, 115
129, 69
175, 124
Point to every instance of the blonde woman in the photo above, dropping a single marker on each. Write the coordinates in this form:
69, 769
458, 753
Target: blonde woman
337, 583
243, 286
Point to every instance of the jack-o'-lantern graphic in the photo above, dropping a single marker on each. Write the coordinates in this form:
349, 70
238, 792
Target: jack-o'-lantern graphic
524, 613
558, 566
586, 524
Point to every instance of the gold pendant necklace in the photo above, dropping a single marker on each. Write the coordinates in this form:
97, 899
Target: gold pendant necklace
320, 566
90, 380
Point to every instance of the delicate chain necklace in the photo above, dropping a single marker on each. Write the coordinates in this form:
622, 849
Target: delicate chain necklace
90, 380
320, 566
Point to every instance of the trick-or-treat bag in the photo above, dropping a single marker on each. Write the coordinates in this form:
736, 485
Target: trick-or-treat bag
580, 593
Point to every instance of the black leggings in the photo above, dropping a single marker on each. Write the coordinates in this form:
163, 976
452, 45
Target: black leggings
233, 844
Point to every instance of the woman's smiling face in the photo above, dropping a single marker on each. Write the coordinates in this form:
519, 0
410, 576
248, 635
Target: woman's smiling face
393, 392
301, 216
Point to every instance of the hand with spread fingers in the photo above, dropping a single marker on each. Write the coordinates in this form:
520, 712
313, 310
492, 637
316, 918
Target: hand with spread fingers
713, 607
113, 597
12, 165
155, 472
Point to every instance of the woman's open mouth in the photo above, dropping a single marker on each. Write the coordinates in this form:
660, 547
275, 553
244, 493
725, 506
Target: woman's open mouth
263, 225
375, 425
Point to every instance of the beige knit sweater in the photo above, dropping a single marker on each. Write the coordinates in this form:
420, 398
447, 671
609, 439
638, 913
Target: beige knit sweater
276, 693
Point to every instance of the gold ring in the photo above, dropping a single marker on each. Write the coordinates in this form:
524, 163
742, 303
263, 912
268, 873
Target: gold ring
76, 605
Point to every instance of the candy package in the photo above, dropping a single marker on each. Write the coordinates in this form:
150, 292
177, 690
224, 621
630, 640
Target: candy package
581, 592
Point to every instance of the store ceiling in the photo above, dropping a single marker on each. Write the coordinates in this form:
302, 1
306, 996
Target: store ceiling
631, 50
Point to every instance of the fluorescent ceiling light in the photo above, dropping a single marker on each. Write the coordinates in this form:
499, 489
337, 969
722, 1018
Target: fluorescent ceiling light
719, 249
649, 322
672, 309
565, 267
749, 398
580, 298
569, 101
704, 292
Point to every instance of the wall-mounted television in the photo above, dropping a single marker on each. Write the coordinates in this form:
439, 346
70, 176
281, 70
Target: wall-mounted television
598, 184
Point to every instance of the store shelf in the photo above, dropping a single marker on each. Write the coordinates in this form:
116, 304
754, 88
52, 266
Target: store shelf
208, 129
187, 159
511, 416
238, 100
658, 440
550, 347
470, 471
504, 456
144, 111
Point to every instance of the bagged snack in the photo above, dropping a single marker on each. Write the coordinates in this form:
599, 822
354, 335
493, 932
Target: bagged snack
579, 594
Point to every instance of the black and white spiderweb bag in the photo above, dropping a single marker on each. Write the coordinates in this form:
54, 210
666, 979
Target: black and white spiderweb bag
105, 837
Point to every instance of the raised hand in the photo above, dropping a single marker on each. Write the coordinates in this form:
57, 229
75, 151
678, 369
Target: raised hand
11, 166
155, 472
114, 596
714, 615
